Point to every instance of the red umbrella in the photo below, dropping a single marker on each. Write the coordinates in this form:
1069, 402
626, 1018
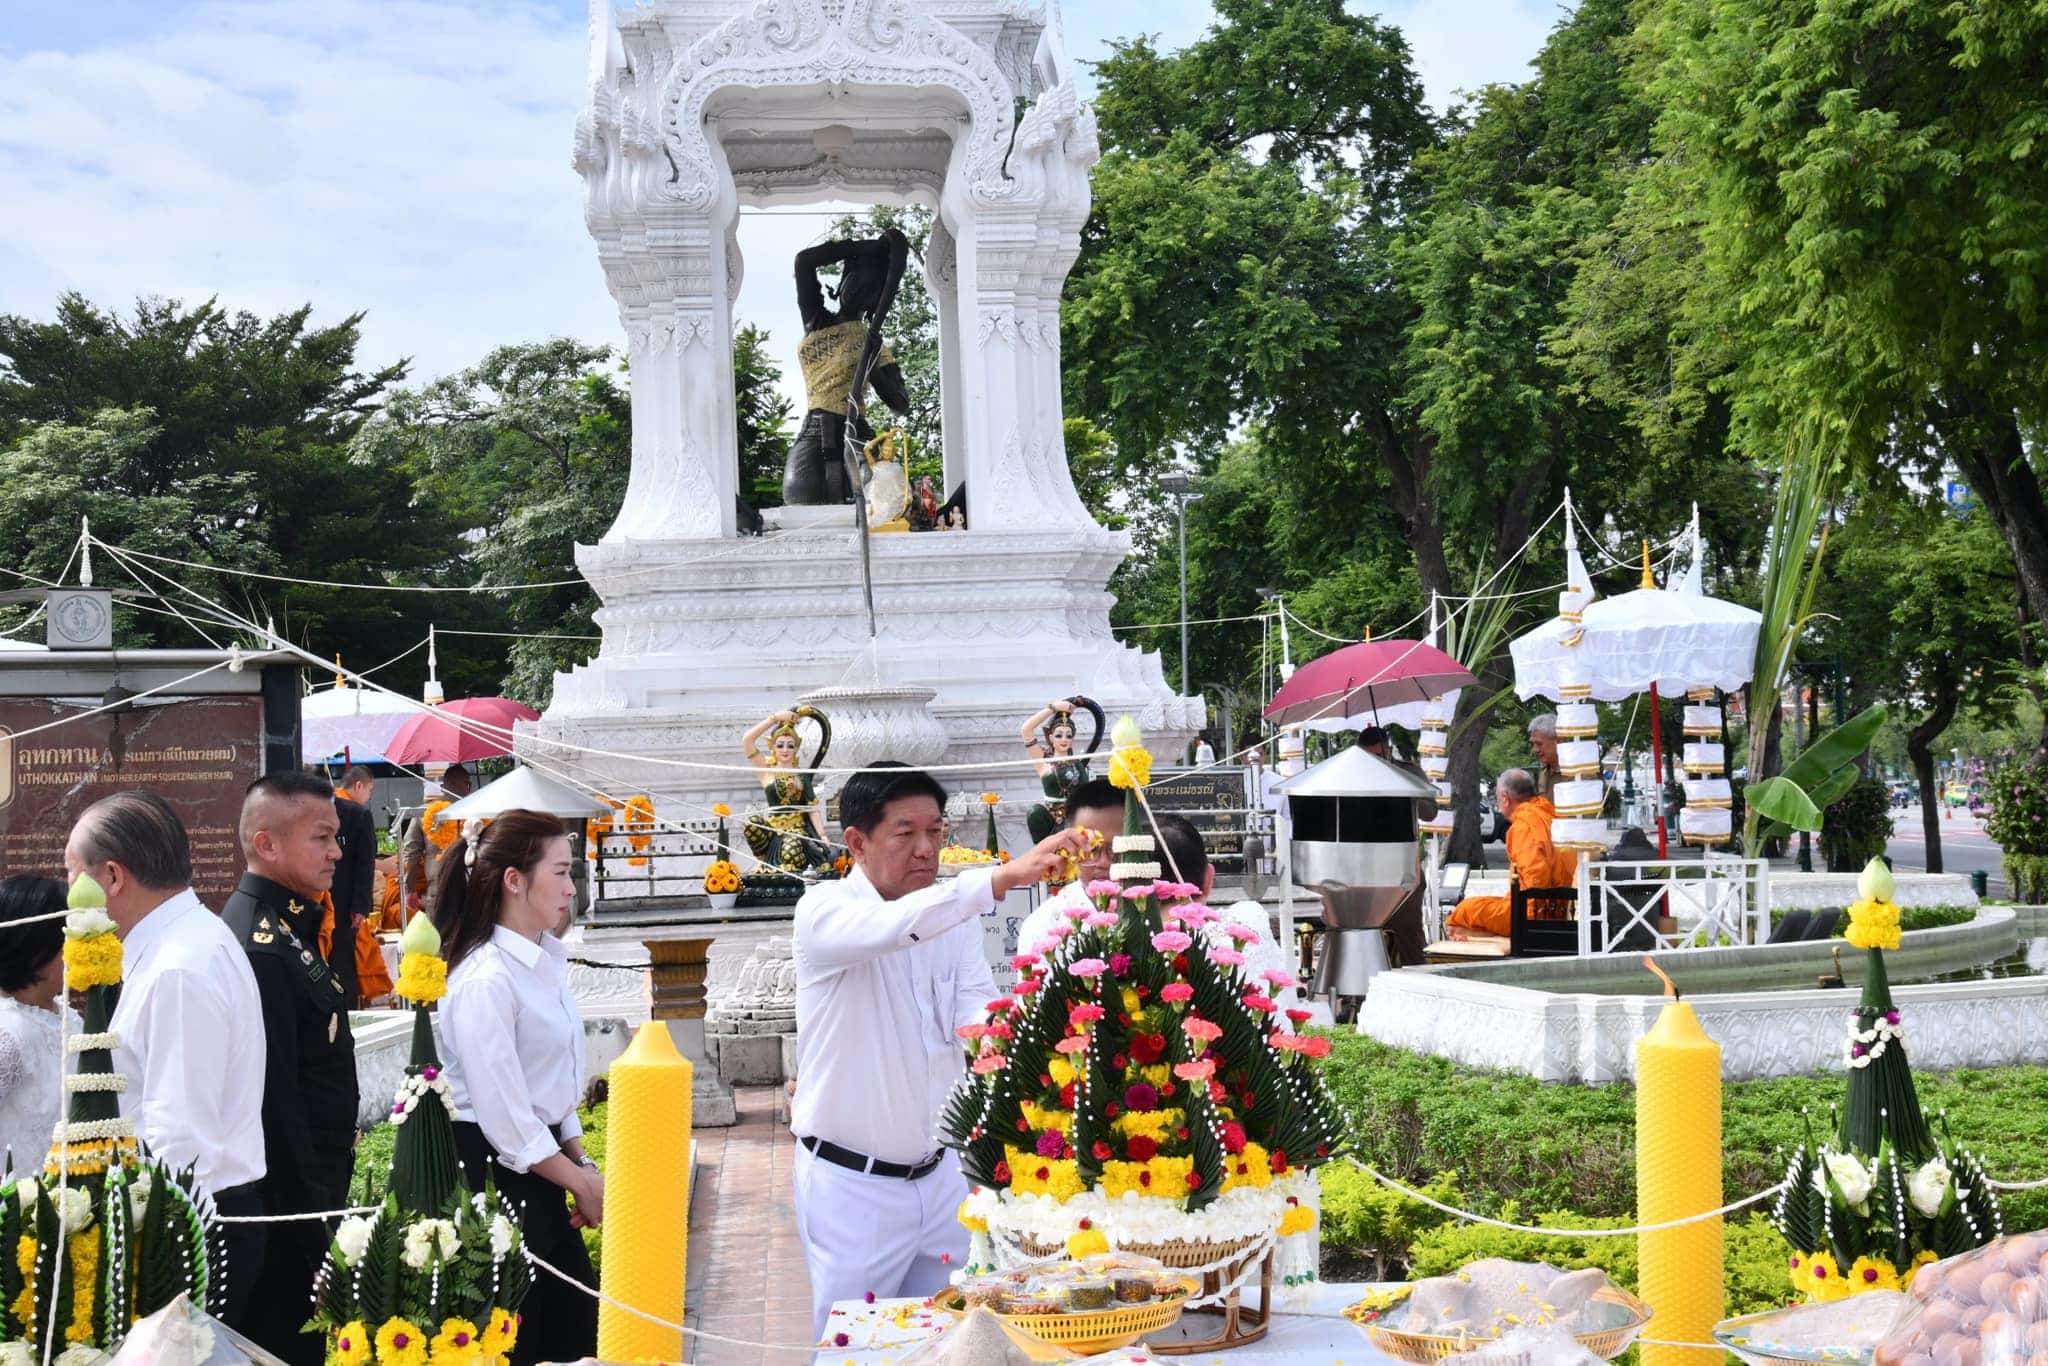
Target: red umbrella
1361, 680
459, 731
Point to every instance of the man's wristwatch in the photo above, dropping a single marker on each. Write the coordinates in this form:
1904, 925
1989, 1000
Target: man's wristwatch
586, 1161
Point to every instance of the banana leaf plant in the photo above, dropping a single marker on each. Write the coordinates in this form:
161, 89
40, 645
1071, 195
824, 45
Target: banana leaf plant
1819, 777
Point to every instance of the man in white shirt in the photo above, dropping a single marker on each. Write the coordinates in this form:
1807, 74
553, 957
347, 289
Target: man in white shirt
189, 1023
888, 967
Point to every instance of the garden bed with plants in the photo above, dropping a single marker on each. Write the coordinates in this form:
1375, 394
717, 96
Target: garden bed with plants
1564, 1156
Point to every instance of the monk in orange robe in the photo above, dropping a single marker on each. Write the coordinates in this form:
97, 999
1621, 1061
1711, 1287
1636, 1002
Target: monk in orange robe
1536, 862
373, 979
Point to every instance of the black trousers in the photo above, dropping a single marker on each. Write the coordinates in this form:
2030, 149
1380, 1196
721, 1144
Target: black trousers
284, 1285
558, 1322
236, 1254
815, 472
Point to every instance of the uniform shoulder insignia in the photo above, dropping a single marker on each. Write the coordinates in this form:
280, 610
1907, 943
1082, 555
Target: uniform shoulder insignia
264, 923
259, 937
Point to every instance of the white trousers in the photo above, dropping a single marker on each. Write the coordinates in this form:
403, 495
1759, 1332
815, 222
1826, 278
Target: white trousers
878, 1233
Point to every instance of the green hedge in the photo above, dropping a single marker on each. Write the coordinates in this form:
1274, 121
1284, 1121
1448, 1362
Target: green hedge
1499, 1141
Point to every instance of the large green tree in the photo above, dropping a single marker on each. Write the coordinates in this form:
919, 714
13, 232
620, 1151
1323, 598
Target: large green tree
218, 438
1852, 198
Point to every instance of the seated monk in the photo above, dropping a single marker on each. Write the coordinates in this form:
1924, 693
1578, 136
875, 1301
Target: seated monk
1534, 861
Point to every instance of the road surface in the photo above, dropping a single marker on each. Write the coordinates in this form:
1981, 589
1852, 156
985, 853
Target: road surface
1965, 848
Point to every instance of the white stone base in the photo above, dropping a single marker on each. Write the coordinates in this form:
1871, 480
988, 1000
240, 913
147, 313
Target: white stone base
704, 638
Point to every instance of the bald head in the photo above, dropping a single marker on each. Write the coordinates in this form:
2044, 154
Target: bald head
1513, 788
288, 831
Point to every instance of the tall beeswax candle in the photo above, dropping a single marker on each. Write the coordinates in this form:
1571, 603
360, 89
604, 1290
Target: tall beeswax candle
647, 1209
1678, 1173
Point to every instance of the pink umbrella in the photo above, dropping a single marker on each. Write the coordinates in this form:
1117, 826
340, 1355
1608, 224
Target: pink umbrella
459, 731
1360, 680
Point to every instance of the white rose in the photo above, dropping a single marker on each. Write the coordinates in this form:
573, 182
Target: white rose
1851, 1179
1928, 1186
17, 1354
450, 1244
77, 1210
353, 1238
27, 1192
91, 921
502, 1235
418, 1243
140, 1188
80, 1354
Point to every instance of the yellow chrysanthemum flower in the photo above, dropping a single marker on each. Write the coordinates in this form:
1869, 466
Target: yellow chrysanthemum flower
1037, 1118
401, 1343
500, 1334
1298, 1219
973, 1223
1872, 1273
85, 1265
352, 1345
1151, 1123
422, 978
1873, 924
1164, 1177
1062, 1178
1824, 1280
94, 961
1086, 1243
1251, 1167
456, 1344
1157, 1075
1130, 767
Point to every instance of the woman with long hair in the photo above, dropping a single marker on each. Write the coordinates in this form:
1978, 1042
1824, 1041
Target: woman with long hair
512, 1038
31, 1006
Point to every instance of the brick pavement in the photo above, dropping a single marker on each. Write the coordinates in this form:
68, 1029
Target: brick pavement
746, 1275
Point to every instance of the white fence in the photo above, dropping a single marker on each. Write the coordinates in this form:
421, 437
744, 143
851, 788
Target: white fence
1639, 905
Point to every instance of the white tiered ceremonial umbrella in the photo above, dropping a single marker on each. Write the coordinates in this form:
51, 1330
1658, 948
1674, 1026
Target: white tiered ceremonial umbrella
1650, 640
357, 721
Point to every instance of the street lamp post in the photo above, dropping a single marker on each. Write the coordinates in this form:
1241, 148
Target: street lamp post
1177, 485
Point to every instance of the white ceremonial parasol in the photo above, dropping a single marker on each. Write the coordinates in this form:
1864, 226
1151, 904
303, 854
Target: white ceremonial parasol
1671, 640
526, 789
358, 721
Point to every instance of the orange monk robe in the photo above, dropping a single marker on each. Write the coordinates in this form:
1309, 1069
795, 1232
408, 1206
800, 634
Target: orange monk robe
373, 979
1536, 863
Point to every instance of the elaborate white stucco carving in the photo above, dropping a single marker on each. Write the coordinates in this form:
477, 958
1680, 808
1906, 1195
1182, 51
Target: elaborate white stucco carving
697, 107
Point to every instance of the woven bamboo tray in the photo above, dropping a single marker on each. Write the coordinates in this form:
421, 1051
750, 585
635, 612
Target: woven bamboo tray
1177, 1255
1424, 1349
1096, 1330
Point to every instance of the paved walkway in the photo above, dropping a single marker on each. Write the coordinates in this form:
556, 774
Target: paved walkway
746, 1277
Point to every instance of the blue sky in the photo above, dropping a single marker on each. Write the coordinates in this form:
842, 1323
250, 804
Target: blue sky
405, 158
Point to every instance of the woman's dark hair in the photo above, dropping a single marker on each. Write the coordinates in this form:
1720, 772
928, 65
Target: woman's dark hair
1186, 856
466, 897
25, 950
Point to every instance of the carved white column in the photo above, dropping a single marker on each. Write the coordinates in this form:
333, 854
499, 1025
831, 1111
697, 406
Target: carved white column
942, 281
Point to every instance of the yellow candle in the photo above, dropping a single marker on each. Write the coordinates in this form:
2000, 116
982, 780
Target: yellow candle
1678, 1173
647, 1209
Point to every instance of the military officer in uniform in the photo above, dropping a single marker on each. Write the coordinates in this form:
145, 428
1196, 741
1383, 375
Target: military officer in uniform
288, 830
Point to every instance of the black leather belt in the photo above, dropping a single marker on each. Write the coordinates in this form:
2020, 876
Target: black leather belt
872, 1166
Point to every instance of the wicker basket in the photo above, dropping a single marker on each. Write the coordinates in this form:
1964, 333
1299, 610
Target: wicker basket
1099, 1330
1424, 1349
1179, 1254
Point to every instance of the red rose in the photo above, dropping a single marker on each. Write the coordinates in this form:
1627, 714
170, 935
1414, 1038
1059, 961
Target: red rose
1144, 993
1322, 1150
1045, 1078
1119, 1062
1193, 1181
1182, 1134
1102, 1153
1141, 1148
1002, 1173
1044, 1172
1233, 1137
1085, 1226
1144, 1178
1111, 1110
1147, 1048
1278, 1161
1166, 1088
1067, 1095
1123, 1019
1217, 1091
1023, 1126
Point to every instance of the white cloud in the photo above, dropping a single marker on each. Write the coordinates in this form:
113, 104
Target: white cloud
408, 159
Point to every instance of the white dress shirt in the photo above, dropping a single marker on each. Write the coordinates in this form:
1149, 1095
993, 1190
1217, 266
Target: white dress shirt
512, 1038
881, 988
191, 1044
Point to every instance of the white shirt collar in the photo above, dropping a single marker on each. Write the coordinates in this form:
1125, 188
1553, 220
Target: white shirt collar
155, 925
522, 950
